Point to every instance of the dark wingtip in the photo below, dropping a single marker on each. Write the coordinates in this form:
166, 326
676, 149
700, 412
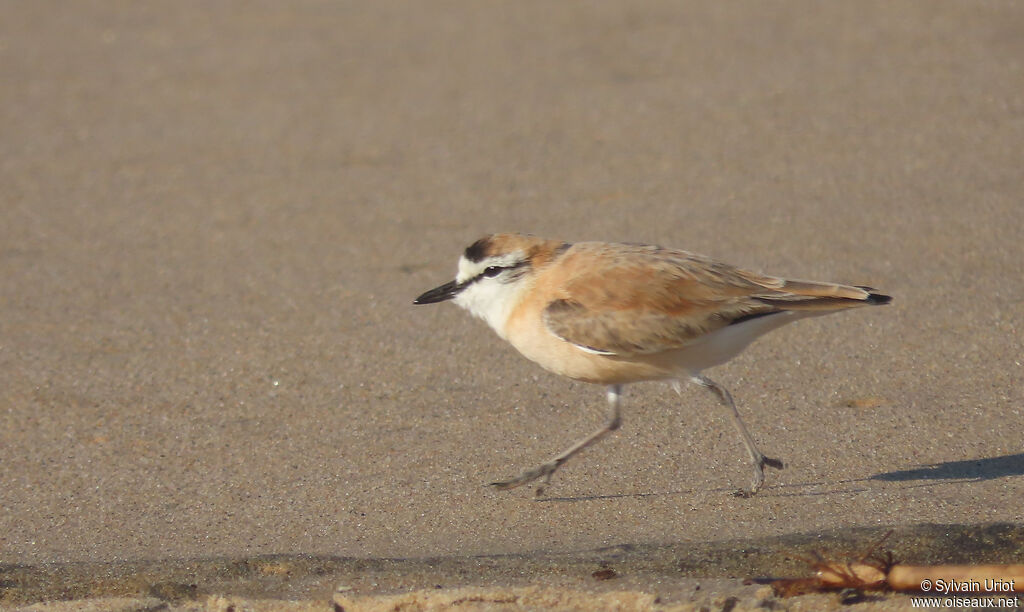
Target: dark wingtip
878, 298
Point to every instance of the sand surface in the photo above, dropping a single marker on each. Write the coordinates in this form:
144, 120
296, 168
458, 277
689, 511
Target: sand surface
214, 218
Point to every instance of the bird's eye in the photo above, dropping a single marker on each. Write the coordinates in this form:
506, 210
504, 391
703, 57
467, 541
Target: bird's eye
492, 271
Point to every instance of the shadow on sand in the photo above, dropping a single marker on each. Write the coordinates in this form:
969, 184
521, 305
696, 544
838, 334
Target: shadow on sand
952, 471
974, 469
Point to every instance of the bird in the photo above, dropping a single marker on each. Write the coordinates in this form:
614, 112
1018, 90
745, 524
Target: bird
619, 313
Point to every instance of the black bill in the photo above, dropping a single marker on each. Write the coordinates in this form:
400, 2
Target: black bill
439, 294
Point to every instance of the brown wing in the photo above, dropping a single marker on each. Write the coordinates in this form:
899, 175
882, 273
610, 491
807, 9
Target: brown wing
625, 299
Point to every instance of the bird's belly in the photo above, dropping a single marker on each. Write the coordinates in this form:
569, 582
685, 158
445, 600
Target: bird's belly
723, 344
566, 359
577, 364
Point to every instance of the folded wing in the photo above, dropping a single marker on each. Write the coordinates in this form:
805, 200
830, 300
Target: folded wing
645, 299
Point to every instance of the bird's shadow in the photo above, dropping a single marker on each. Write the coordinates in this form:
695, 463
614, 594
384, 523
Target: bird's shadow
583, 498
972, 469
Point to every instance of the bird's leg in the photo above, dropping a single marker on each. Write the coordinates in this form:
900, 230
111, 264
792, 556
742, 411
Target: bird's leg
548, 468
756, 456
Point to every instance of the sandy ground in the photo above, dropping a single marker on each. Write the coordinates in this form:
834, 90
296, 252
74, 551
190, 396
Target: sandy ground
213, 220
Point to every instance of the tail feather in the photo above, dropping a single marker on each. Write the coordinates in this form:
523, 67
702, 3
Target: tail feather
810, 295
825, 290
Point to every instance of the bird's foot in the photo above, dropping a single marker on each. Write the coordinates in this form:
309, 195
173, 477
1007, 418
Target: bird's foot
758, 482
544, 470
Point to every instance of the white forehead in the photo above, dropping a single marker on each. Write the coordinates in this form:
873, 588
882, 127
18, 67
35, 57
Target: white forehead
468, 269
